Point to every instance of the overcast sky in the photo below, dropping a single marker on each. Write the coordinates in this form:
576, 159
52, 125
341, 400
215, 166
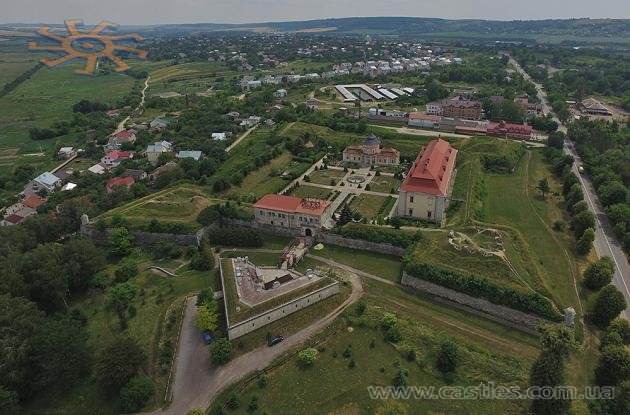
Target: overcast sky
243, 11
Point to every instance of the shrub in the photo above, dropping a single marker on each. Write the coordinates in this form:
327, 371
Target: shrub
380, 235
614, 366
235, 237
393, 334
585, 243
135, 394
448, 357
127, 270
622, 327
221, 351
307, 357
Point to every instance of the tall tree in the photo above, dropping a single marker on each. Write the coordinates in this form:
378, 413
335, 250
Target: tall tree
117, 363
543, 187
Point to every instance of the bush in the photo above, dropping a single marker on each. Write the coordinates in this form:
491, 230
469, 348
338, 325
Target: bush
585, 243
478, 286
599, 273
307, 357
448, 357
135, 394
127, 270
614, 366
622, 327
117, 363
235, 237
221, 351
380, 235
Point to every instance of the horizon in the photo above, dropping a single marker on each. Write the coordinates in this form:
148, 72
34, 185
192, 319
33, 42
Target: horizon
238, 12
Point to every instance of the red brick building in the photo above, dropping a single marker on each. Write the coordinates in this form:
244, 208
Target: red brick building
306, 214
509, 130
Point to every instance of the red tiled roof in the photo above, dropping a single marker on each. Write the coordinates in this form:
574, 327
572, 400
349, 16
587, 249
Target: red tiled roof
508, 128
425, 117
124, 134
115, 155
33, 202
120, 181
432, 170
13, 218
291, 204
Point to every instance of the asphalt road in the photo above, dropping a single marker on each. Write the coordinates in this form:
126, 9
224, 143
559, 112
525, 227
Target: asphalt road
606, 243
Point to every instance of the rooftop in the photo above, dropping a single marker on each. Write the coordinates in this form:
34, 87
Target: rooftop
291, 204
432, 170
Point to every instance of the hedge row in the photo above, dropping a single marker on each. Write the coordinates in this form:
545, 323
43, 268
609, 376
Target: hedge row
380, 235
481, 287
234, 237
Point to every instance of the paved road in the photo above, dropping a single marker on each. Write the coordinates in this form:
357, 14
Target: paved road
606, 243
196, 383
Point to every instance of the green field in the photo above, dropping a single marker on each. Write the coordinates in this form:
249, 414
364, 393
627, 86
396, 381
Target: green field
179, 204
266, 179
488, 352
381, 265
48, 97
384, 184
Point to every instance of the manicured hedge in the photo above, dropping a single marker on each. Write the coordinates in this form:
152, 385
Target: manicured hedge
478, 286
379, 234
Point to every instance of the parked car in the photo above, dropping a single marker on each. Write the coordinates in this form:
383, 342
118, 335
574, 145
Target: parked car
274, 340
207, 337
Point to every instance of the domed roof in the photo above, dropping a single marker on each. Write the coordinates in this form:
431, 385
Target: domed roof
372, 140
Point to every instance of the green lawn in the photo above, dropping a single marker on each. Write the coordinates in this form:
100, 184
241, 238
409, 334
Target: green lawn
384, 184
368, 206
305, 190
326, 176
266, 179
382, 265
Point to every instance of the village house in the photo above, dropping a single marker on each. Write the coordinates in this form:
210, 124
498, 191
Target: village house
312, 103
418, 119
426, 190
219, 136
116, 182
136, 174
46, 181
189, 154
155, 150
509, 130
593, 107
116, 140
370, 153
308, 215
281, 93
66, 152
114, 158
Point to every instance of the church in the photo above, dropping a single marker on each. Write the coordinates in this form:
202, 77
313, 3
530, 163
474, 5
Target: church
370, 153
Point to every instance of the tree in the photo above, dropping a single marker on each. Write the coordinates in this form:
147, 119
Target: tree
119, 299
203, 260
543, 187
448, 357
220, 350
126, 270
556, 139
120, 242
207, 316
396, 222
608, 304
307, 357
621, 403
585, 243
548, 370
620, 326
81, 260
135, 394
400, 380
599, 273
581, 222
8, 402
612, 193
117, 362
614, 366
580, 206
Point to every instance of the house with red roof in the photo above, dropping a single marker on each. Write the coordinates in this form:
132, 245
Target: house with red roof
509, 130
426, 190
291, 212
114, 158
119, 181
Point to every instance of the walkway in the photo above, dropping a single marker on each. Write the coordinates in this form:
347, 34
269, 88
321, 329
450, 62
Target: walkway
121, 125
241, 138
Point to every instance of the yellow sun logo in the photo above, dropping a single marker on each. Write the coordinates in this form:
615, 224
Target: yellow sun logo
90, 46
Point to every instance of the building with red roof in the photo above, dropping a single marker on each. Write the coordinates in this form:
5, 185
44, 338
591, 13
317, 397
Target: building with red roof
426, 190
119, 181
370, 153
306, 214
114, 158
509, 130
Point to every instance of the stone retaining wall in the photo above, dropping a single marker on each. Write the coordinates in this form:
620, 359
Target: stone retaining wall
514, 318
381, 248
